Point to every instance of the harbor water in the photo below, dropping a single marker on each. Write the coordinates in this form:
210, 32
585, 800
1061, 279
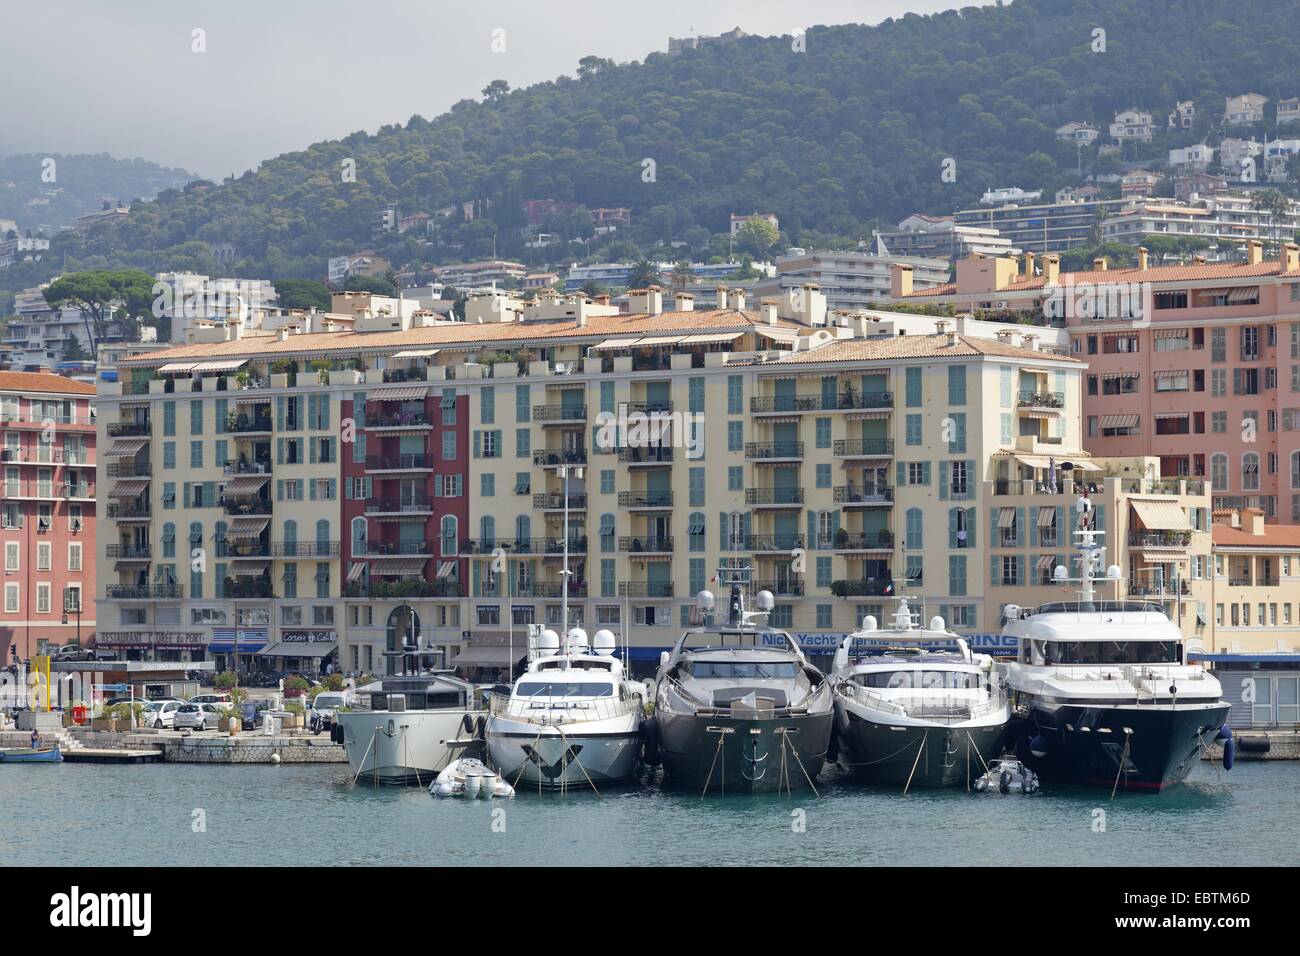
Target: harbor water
309, 815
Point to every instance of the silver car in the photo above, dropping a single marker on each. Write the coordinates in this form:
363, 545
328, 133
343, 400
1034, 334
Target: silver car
196, 716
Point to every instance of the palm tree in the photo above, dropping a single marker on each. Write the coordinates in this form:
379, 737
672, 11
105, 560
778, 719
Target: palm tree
682, 276
1273, 204
644, 273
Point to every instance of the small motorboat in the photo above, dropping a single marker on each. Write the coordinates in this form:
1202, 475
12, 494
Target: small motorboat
1007, 775
32, 755
472, 778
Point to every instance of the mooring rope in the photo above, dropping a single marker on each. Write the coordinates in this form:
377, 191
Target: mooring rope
1123, 759
709, 779
578, 760
785, 735
363, 759
919, 750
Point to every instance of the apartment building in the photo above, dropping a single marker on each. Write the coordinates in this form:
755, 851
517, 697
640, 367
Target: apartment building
1133, 125
1197, 366
47, 525
1045, 227
848, 280
418, 489
1226, 219
1244, 108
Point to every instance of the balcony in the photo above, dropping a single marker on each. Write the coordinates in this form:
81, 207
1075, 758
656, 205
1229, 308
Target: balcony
781, 588
867, 587
418, 587
414, 461
143, 592
551, 457
774, 542
304, 549
645, 500
853, 400
1159, 539
549, 589
243, 549
129, 510
559, 414
550, 546
554, 501
128, 552
129, 429
240, 424
863, 448
1030, 398
244, 466
656, 407
774, 497
397, 421
649, 455
634, 545
238, 506
773, 450
393, 549
247, 587
770, 404
129, 469
645, 589
399, 506
864, 541
865, 495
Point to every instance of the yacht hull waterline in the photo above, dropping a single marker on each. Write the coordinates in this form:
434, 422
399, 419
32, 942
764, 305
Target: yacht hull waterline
719, 755
1083, 744
551, 760
401, 747
917, 755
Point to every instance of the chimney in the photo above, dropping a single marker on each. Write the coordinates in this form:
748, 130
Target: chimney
736, 300
1099, 264
645, 301
1051, 269
1256, 518
721, 297
900, 280
768, 308
1290, 257
603, 299
1029, 265
1198, 260
1142, 258
941, 326
1029, 340
1254, 252
684, 302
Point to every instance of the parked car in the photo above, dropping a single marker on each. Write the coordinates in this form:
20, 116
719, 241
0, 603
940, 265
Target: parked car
196, 716
160, 714
250, 713
212, 699
74, 652
323, 708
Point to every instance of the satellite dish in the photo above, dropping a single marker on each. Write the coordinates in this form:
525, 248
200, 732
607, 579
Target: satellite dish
704, 600
578, 642
937, 623
869, 623
1011, 612
1060, 573
548, 642
1114, 572
604, 641
764, 601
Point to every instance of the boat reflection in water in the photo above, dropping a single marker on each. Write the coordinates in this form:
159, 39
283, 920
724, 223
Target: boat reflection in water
738, 708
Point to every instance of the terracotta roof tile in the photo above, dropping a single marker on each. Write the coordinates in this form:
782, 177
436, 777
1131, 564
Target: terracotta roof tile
917, 346
43, 382
1274, 536
1192, 273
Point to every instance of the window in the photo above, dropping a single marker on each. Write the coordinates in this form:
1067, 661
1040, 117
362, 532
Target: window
523, 442
487, 405
915, 535
523, 403
735, 436
735, 478
956, 384
913, 430
1250, 471
11, 556
912, 385
448, 446
487, 485
11, 598
957, 575
43, 555
823, 427
735, 394
696, 487
43, 597
74, 556
448, 535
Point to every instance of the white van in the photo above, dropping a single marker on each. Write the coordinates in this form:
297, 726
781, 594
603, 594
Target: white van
321, 715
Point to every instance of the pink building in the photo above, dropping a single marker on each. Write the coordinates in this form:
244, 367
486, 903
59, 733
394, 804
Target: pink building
47, 516
1198, 365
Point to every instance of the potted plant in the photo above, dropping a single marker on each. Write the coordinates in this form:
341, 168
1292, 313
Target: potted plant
296, 686
229, 720
841, 538
296, 709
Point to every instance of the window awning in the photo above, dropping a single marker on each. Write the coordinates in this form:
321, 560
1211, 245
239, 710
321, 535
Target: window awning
246, 528
775, 332
129, 488
1044, 562
415, 353
1167, 415
224, 365
613, 345
130, 564
1119, 421
1040, 412
1160, 515
1034, 461
1046, 517
126, 447
446, 569
1085, 465
491, 655
398, 394
249, 568
404, 568
1171, 373
246, 484
659, 340
172, 368
1170, 333
1006, 517
356, 572
1244, 294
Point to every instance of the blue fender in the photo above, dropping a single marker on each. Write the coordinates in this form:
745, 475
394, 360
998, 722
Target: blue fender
1229, 753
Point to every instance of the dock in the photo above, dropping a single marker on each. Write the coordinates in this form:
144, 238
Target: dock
111, 755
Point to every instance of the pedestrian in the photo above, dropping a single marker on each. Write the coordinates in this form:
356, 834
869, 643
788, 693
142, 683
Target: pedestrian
36, 738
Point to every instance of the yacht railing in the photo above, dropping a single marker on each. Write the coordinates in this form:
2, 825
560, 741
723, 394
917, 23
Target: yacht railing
927, 706
707, 708
1146, 678
547, 712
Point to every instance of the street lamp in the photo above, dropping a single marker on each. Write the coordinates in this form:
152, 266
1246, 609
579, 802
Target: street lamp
564, 471
72, 602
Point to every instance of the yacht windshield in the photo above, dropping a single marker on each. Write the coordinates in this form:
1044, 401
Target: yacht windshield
563, 689
1109, 652
956, 680
745, 670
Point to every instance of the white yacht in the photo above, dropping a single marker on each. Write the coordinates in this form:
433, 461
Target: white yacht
414, 726
572, 719
914, 706
1102, 692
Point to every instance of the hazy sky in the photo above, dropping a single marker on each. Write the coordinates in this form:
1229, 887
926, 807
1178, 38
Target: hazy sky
121, 77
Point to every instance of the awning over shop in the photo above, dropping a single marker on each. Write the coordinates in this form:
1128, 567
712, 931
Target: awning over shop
1118, 421
299, 649
129, 488
398, 394
126, 447
244, 528
492, 651
246, 484
1160, 515
222, 365
415, 353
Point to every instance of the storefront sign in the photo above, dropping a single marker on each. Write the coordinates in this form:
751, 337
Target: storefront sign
244, 640
147, 639
307, 637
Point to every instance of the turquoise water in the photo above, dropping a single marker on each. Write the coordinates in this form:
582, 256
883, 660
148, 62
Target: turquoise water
78, 814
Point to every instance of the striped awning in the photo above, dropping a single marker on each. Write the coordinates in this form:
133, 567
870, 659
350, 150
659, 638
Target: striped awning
1044, 562
356, 571
1118, 421
446, 569
173, 368
415, 353
246, 528
398, 394
1155, 555
249, 568
871, 414
1168, 415
126, 447
1170, 333
130, 564
405, 568
129, 488
1160, 515
1046, 517
246, 484
1040, 412
711, 337
223, 365
649, 340
1243, 294
1006, 517
614, 345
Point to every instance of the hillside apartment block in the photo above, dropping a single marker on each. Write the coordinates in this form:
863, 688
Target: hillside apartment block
301, 494
47, 515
